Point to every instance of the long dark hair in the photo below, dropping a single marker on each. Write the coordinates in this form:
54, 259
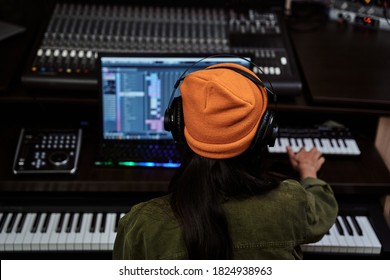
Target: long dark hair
198, 191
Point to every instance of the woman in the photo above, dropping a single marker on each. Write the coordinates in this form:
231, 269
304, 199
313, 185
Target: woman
219, 207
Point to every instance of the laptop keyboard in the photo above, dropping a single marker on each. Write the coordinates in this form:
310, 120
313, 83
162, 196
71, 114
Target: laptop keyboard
139, 154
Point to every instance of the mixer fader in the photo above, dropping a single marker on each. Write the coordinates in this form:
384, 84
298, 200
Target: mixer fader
65, 56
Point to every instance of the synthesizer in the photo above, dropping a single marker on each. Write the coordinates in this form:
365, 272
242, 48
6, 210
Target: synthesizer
69, 231
328, 140
65, 55
71, 225
95, 232
349, 235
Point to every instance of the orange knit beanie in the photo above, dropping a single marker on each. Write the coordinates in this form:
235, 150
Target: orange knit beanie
222, 110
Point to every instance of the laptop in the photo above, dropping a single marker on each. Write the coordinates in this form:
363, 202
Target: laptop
134, 93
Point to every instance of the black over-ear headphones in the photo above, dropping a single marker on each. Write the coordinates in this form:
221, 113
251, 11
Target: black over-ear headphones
174, 117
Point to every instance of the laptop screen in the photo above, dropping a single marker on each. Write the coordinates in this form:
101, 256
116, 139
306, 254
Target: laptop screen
136, 92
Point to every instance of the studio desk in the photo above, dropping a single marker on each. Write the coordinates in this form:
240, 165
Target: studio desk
75, 216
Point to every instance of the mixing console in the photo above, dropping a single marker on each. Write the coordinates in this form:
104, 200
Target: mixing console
65, 56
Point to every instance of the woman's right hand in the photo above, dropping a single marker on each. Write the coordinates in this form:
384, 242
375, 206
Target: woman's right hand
307, 163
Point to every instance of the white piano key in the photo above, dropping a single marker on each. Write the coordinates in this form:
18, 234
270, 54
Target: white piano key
359, 242
300, 143
105, 240
349, 147
343, 241
275, 148
294, 145
28, 236
79, 238
308, 144
284, 143
328, 149
334, 241
279, 146
113, 226
318, 145
54, 235
3, 233
317, 247
336, 147
344, 146
353, 146
18, 242
11, 236
71, 236
97, 234
365, 239
87, 239
351, 246
61, 242
19, 233
35, 242
326, 244
370, 234
44, 243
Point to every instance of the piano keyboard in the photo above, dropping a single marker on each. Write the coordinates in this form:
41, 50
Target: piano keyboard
329, 141
58, 231
349, 235
97, 231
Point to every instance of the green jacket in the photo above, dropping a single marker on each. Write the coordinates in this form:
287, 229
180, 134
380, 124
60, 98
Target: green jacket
270, 226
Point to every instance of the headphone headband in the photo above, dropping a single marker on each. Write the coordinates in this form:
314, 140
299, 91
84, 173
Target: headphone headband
183, 75
174, 115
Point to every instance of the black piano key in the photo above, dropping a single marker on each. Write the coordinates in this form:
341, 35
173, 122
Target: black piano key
92, 227
79, 222
336, 143
20, 225
343, 141
70, 223
356, 226
46, 223
319, 142
2, 221
339, 228
347, 225
60, 223
36, 223
103, 222
11, 223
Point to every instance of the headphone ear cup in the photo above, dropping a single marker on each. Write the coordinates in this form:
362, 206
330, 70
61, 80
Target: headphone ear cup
266, 132
178, 120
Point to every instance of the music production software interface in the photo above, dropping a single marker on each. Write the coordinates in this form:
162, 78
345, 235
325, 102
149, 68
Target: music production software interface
136, 91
